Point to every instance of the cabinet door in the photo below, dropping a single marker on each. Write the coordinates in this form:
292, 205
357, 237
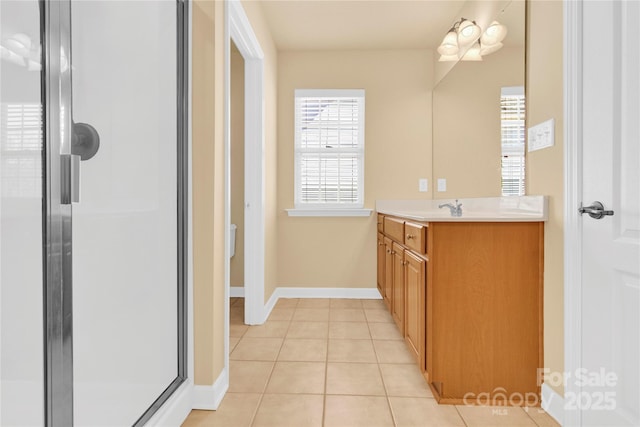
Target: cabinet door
397, 302
381, 261
415, 283
388, 272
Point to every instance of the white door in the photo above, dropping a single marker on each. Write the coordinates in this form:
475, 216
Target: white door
608, 384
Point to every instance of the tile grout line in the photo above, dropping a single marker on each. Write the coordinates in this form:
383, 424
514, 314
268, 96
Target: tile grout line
384, 385
464, 421
255, 411
326, 373
529, 415
273, 368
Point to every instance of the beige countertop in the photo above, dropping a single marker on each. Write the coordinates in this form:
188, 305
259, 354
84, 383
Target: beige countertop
482, 209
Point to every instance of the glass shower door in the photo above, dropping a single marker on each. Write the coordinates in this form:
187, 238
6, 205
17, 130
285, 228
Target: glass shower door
126, 226
21, 255
92, 210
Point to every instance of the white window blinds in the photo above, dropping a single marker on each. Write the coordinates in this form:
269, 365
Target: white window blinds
512, 114
329, 148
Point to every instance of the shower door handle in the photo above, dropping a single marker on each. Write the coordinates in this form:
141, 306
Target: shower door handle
69, 179
85, 140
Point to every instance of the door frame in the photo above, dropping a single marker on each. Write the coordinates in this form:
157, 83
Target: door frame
573, 173
238, 28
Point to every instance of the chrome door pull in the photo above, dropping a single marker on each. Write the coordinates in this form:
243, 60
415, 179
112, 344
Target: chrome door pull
70, 179
595, 211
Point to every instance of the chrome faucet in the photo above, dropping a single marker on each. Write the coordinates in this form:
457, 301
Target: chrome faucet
455, 210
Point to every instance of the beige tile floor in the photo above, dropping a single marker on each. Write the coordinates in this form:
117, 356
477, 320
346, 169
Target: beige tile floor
335, 363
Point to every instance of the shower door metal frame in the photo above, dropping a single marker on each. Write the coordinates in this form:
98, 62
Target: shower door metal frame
55, 29
56, 93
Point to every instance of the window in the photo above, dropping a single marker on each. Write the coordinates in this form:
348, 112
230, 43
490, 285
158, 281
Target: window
512, 113
329, 149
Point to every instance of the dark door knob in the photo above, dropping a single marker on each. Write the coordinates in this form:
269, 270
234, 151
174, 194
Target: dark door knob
85, 141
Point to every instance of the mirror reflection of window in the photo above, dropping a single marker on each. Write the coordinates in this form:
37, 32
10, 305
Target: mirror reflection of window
21, 147
512, 115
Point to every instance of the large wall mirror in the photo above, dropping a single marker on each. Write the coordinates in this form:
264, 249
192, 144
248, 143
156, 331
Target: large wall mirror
478, 118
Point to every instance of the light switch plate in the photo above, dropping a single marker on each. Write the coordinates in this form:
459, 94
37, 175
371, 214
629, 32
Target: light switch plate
423, 185
542, 135
442, 184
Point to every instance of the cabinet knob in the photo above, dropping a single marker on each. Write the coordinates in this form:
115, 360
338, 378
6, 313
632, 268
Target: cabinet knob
393, 252
410, 236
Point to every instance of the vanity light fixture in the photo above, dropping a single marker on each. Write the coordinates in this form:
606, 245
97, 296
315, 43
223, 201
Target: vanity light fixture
449, 58
491, 40
473, 53
20, 50
19, 43
449, 45
486, 50
466, 33
461, 35
495, 33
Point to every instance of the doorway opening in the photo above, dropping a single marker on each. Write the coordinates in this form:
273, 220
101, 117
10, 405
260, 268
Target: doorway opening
250, 240
236, 151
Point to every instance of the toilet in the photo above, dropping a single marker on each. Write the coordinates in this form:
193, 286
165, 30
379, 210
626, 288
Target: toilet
232, 240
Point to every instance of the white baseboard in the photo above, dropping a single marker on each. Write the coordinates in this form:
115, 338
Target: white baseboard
270, 304
553, 403
236, 291
176, 409
295, 292
208, 397
361, 293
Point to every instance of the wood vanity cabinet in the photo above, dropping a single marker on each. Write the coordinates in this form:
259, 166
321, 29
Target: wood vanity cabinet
472, 305
398, 286
387, 294
381, 255
405, 279
485, 310
415, 280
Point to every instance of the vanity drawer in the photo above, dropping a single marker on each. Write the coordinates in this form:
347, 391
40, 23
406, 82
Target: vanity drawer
394, 228
380, 222
415, 237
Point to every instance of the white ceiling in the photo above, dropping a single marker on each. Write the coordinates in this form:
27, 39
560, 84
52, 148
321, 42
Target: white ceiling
372, 24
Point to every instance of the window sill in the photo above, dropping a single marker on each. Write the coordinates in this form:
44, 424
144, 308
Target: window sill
329, 212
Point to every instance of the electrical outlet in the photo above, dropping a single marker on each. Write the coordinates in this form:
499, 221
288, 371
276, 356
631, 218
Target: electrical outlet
423, 185
442, 184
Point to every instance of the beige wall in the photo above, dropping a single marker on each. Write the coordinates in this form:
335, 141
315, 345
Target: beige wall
466, 124
208, 190
545, 167
259, 25
237, 164
340, 252
208, 177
